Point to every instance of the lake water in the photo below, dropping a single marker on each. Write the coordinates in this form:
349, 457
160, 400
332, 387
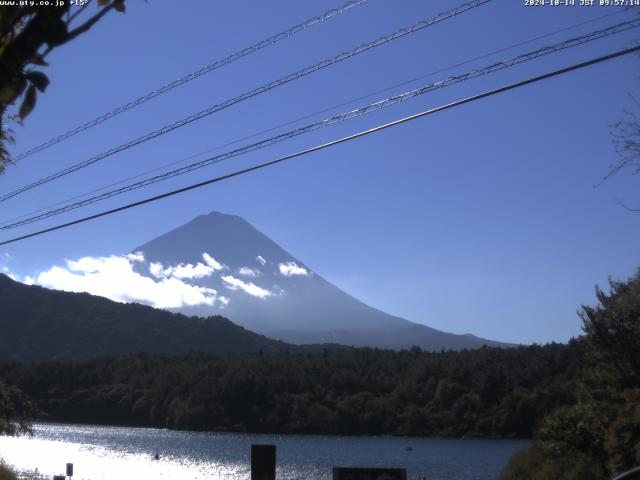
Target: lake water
127, 453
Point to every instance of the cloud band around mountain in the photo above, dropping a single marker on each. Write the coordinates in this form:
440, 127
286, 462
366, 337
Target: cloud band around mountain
114, 277
118, 278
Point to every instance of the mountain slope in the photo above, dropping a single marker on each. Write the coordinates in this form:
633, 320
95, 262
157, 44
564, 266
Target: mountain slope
37, 324
264, 288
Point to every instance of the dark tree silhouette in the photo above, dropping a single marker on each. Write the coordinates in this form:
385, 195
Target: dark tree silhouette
613, 331
626, 137
487, 392
598, 436
27, 35
16, 411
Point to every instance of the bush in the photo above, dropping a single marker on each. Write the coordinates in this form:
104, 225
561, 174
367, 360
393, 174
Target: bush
536, 464
16, 411
599, 435
6, 473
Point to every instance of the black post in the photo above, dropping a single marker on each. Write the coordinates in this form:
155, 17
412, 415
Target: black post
263, 462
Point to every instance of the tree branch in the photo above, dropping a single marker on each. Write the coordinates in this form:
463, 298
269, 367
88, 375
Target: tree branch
89, 23
78, 12
84, 27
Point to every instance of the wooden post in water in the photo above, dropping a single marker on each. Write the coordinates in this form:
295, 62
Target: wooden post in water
263, 462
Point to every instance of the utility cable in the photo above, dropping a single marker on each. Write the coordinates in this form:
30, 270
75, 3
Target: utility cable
252, 93
570, 43
309, 115
332, 143
193, 75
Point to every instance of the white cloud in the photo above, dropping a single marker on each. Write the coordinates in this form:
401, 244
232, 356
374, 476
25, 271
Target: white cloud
136, 257
113, 277
92, 265
248, 272
212, 262
224, 301
252, 289
185, 271
199, 270
157, 270
289, 269
261, 259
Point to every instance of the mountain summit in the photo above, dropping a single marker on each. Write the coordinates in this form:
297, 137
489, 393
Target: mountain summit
260, 286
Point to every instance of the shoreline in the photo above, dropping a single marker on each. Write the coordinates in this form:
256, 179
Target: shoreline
275, 433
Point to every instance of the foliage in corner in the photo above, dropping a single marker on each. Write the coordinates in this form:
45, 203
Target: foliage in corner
626, 137
599, 435
613, 332
27, 35
6, 473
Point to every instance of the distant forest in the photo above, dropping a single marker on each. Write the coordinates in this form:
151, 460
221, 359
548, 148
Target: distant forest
489, 392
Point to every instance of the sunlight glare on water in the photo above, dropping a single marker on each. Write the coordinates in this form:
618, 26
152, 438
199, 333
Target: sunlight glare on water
127, 453
48, 456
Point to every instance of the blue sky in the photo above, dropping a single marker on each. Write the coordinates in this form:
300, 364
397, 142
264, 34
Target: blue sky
481, 219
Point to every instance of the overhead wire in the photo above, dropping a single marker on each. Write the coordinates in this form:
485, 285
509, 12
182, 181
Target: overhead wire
381, 104
290, 32
332, 143
252, 93
314, 114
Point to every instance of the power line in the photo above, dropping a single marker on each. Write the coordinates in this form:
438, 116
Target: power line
525, 57
194, 75
252, 93
311, 115
494, 52
332, 143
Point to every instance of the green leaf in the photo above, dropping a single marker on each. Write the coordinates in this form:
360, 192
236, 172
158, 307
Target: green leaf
119, 6
28, 103
38, 79
102, 3
10, 92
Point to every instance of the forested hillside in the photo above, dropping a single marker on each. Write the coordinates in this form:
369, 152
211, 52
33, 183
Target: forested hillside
484, 392
37, 324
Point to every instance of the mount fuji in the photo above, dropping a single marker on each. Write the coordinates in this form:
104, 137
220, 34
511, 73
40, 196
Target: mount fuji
251, 280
